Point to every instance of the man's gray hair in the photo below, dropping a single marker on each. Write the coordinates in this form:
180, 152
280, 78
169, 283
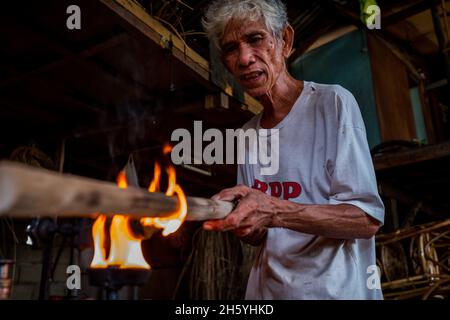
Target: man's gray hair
220, 12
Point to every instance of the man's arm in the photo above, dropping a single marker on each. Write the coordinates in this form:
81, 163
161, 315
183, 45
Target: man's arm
257, 211
341, 221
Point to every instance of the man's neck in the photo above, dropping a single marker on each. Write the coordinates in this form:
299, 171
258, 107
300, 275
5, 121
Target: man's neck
280, 100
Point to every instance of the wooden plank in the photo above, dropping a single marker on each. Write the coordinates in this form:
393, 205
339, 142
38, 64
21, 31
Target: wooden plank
429, 152
392, 95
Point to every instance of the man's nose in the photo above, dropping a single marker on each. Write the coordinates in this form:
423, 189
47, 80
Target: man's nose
246, 56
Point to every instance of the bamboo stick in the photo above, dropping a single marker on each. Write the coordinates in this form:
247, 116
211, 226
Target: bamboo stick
384, 239
27, 192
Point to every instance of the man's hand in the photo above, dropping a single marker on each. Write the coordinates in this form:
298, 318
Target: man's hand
251, 217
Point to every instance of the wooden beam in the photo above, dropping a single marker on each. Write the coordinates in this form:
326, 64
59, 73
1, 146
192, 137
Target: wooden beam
397, 159
69, 56
136, 15
404, 13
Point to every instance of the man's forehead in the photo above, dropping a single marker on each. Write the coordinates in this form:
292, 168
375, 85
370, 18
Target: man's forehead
236, 29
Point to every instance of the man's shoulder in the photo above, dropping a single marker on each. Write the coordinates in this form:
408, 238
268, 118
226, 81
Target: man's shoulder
335, 98
331, 90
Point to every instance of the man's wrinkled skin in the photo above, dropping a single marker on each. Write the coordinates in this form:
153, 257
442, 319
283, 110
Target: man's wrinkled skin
257, 60
248, 50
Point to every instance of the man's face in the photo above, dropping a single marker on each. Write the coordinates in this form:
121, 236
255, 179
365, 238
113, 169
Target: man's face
252, 54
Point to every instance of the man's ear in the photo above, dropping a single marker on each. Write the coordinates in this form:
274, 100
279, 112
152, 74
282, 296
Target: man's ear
288, 41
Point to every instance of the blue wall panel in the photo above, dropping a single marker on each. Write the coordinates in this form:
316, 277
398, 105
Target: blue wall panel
344, 61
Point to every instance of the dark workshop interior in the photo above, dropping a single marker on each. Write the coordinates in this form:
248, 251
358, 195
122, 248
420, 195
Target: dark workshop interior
92, 101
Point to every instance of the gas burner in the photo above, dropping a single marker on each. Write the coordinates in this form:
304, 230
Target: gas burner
112, 279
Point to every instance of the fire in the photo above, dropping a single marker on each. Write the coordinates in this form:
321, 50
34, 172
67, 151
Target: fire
154, 185
167, 149
125, 249
98, 235
171, 223
122, 180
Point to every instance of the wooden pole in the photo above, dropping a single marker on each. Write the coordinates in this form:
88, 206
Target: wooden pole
28, 192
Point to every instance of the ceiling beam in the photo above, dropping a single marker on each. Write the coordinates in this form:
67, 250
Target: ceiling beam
404, 12
69, 56
430, 152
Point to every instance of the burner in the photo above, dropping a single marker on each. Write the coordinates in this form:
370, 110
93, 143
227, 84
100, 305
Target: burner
112, 279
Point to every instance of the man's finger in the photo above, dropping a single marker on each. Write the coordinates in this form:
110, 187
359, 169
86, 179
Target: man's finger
242, 232
231, 194
225, 196
214, 225
230, 222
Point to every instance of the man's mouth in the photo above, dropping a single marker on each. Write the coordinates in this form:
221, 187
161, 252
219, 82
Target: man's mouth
251, 77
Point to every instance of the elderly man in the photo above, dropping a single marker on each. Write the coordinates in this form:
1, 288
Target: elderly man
317, 242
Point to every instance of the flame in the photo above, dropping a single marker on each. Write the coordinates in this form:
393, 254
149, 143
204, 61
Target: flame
154, 185
173, 222
167, 148
122, 182
98, 234
125, 250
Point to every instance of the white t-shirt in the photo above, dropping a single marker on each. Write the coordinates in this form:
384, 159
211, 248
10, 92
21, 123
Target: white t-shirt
324, 159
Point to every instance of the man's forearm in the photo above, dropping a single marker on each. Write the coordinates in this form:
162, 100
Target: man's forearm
343, 221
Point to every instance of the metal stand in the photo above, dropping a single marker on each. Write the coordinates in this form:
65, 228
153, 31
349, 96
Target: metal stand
42, 233
112, 279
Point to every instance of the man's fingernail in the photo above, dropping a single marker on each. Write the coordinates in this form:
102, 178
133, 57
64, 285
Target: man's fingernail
207, 226
215, 197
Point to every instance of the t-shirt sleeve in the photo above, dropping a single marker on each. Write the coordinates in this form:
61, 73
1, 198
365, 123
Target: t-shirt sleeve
353, 179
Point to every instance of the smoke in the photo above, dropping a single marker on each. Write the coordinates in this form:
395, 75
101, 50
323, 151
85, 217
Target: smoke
134, 114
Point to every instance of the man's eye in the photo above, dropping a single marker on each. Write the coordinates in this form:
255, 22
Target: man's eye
255, 39
229, 48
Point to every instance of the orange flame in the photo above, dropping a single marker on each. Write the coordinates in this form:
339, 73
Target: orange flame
173, 222
154, 185
122, 182
167, 148
125, 250
98, 234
